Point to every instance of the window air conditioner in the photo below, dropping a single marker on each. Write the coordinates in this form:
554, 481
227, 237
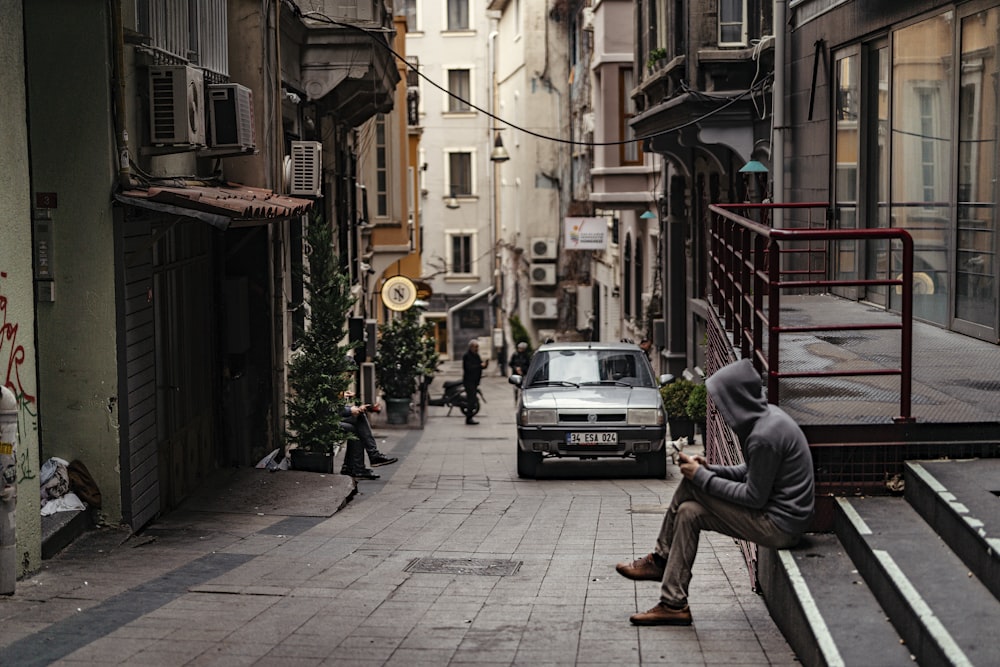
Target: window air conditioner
543, 274
305, 169
230, 115
542, 249
176, 105
543, 308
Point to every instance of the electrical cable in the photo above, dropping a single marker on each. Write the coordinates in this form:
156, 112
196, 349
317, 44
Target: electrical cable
731, 100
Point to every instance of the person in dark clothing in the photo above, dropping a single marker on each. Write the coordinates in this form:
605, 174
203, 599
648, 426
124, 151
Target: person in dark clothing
472, 373
520, 359
355, 422
519, 363
767, 500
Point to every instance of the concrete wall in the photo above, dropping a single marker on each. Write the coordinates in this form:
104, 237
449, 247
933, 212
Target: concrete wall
17, 317
72, 155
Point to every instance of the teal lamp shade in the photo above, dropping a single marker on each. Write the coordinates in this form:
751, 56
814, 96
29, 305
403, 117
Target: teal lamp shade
753, 167
647, 215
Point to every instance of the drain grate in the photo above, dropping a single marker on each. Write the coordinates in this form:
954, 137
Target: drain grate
488, 567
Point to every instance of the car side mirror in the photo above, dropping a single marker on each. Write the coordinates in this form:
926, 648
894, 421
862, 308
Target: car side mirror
515, 380
666, 378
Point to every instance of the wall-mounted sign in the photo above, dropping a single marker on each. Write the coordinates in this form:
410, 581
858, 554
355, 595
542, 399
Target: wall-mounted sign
585, 233
398, 293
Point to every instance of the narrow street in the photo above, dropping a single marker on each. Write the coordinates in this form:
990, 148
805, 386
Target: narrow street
448, 559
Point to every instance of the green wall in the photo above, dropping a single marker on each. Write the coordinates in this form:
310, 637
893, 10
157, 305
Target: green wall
17, 312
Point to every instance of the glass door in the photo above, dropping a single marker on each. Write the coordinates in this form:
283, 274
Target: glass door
975, 306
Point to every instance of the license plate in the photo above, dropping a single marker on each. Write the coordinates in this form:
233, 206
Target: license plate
592, 438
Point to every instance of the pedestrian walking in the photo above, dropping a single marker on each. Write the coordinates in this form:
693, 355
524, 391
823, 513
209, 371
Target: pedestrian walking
767, 500
472, 374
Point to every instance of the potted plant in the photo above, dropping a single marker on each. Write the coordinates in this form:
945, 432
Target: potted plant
405, 355
319, 371
697, 406
675, 397
656, 57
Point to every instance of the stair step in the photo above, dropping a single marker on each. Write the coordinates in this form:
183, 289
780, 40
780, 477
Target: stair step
959, 499
825, 608
942, 611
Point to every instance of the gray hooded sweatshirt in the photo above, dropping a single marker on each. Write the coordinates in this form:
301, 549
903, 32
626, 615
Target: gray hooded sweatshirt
777, 475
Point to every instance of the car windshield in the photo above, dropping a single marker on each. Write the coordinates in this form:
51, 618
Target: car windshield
589, 367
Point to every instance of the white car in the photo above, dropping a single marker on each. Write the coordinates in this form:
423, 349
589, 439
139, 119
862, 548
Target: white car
590, 400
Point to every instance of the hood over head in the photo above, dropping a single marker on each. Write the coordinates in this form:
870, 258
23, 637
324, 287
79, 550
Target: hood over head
737, 393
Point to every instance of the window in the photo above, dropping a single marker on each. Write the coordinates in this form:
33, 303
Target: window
732, 23
381, 168
461, 253
410, 7
639, 279
459, 174
627, 276
459, 85
458, 14
631, 152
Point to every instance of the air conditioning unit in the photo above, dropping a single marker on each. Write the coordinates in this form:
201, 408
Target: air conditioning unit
304, 169
543, 274
230, 117
543, 308
542, 249
176, 105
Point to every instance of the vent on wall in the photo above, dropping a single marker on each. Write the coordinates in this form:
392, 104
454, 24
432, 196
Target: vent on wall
542, 249
543, 308
304, 169
176, 105
543, 274
230, 114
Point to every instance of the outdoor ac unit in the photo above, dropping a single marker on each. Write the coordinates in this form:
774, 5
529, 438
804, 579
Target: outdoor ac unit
543, 308
230, 116
542, 249
305, 169
543, 274
176, 105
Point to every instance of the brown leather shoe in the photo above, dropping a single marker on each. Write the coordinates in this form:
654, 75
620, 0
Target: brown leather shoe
644, 569
662, 615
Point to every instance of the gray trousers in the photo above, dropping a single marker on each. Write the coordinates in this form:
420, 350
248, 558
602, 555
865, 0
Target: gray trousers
692, 511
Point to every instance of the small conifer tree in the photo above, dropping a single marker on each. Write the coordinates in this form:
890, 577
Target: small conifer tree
320, 370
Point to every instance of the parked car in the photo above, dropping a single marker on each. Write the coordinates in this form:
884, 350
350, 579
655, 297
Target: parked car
590, 400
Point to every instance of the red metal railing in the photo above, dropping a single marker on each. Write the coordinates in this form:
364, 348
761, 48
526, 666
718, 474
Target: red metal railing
751, 264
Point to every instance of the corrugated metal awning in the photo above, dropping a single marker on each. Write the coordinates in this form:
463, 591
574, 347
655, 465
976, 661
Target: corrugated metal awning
222, 206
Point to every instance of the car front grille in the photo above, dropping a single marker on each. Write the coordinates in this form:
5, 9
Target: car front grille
585, 418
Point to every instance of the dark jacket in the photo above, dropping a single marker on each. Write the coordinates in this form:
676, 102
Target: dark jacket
519, 360
472, 369
777, 475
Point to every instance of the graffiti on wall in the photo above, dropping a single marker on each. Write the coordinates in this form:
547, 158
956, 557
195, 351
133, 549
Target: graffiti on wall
12, 357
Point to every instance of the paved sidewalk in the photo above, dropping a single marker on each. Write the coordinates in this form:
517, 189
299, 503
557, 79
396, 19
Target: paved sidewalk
448, 559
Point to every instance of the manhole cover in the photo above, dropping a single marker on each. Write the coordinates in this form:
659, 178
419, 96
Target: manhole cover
481, 566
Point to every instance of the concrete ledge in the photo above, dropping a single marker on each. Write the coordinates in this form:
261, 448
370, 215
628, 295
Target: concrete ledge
60, 529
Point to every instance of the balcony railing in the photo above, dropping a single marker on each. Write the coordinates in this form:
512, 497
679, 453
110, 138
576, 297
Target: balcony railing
751, 265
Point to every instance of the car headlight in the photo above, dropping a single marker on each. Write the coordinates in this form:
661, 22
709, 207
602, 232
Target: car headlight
645, 417
538, 417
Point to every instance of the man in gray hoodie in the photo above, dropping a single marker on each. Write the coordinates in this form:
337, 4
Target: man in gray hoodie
767, 500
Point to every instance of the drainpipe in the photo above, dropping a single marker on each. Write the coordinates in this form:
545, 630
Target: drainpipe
8, 491
457, 307
778, 112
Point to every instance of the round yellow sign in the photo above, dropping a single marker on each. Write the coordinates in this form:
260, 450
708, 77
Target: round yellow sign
398, 293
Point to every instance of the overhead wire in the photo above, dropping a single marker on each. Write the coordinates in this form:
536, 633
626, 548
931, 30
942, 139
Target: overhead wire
728, 101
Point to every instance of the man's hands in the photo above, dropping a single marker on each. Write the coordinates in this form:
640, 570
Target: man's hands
689, 464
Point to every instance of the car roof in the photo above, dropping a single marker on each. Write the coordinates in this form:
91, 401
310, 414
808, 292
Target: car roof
590, 345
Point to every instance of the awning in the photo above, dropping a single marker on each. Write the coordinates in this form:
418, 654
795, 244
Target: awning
222, 206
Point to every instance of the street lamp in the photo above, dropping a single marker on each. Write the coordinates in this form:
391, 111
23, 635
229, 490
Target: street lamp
499, 153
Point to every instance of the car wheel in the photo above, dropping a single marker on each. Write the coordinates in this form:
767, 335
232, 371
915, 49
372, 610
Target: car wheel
527, 463
654, 463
